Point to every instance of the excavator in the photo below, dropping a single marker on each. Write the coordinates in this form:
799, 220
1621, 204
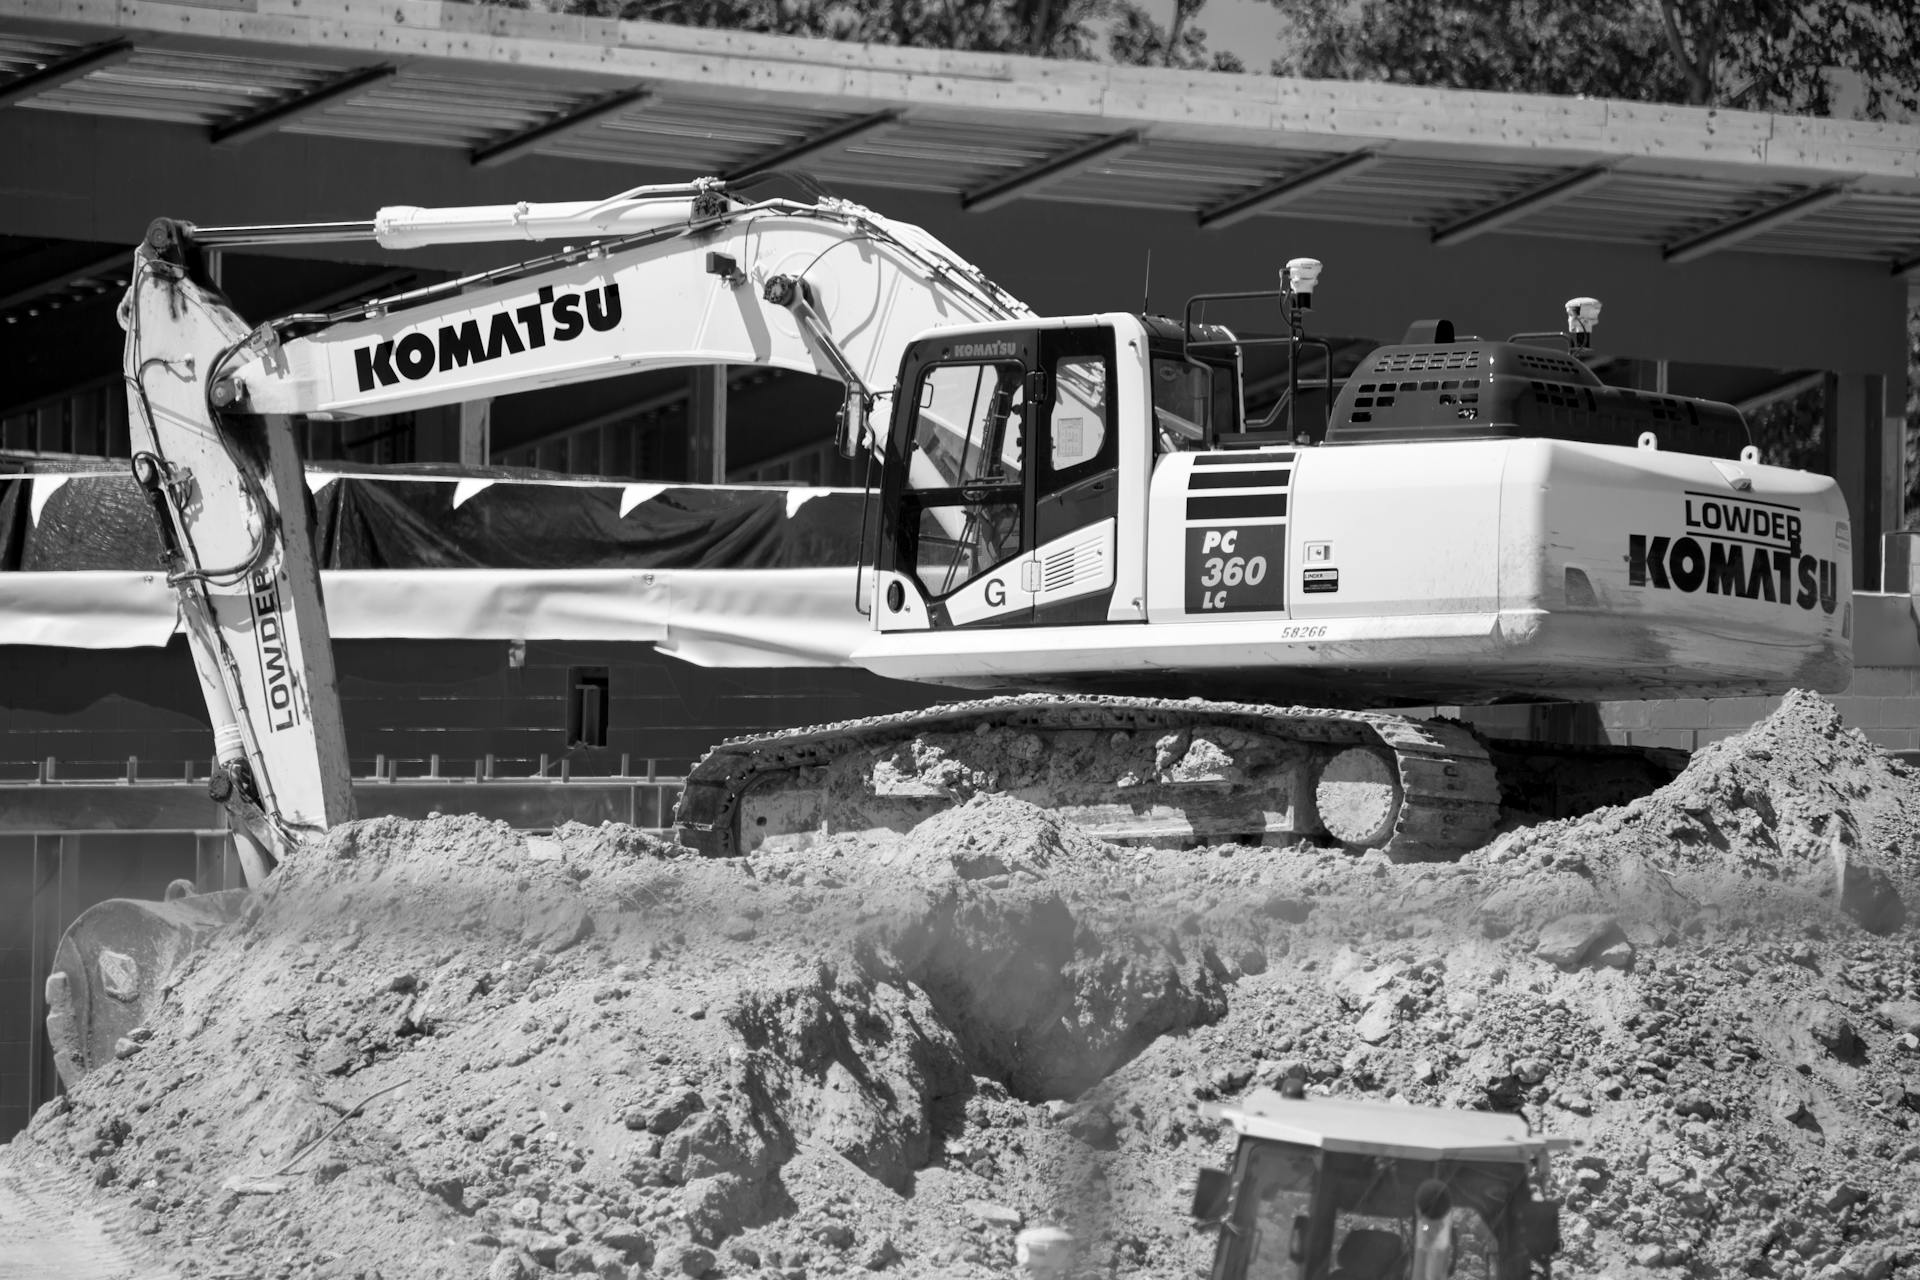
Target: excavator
1183, 618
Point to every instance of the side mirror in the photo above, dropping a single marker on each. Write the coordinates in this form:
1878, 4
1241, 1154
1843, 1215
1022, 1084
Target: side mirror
1540, 1228
1212, 1193
850, 426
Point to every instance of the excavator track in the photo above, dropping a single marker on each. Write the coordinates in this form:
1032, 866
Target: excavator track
1183, 772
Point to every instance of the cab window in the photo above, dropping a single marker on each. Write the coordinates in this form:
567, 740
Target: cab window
963, 473
1080, 410
967, 426
1181, 395
1273, 1208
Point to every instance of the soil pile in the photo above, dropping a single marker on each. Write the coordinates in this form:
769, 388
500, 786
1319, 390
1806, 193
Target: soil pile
440, 1049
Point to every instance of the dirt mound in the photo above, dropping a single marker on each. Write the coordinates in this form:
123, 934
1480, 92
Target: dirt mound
442, 1050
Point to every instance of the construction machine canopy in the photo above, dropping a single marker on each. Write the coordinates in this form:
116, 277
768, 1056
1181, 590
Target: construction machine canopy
1386, 1129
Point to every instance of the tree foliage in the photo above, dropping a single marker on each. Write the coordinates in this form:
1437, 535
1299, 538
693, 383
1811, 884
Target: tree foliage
1122, 31
1773, 55
1913, 419
1613, 48
1776, 54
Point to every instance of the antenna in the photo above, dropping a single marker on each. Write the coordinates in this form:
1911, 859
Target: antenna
1146, 286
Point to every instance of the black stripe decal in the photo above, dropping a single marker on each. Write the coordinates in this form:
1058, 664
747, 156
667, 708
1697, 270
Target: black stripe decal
1239, 459
1237, 506
1264, 477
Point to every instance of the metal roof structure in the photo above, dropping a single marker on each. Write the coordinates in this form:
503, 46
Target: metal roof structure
501, 84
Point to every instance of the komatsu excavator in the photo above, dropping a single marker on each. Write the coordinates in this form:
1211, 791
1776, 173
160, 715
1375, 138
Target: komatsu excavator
1076, 510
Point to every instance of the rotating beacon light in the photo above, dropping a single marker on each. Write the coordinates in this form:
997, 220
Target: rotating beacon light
1583, 317
1297, 280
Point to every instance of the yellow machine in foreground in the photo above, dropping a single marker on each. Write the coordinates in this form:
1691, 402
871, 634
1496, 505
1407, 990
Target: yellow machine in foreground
1339, 1189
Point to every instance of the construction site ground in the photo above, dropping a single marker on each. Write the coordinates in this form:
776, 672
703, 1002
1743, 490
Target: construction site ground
441, 1049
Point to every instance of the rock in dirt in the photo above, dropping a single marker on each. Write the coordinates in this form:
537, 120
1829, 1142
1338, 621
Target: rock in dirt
119, 975
1571, 940
670, 1113
998, 1215
1376, 1024
880, 1255
1902, 1015
686, 1260
1869, 894
513, 1264
1835, 1033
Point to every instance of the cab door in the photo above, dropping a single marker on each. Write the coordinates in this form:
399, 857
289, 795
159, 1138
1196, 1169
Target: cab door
1001, 492
957, 490
1075, 477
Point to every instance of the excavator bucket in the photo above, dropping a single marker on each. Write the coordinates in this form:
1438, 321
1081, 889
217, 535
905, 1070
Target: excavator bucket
114, 968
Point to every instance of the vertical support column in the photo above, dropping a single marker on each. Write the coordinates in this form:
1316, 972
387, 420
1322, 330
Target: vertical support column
212, 852
1857, 430
476, 433
56, 876
1893, 461
707, 421
436, 435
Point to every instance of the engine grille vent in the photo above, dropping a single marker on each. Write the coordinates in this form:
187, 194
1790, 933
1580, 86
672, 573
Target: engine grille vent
1083, 561
1557, 366
1414, 361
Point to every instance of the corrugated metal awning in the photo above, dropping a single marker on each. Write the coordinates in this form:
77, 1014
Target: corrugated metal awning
502, 83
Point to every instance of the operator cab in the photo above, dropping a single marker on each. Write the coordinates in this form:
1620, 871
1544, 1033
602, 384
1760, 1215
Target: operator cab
1336, 1189
1005, 440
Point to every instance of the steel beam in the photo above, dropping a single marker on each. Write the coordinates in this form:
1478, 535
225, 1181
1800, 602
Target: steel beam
1288, 189
119, 260
707, 424
79, 63
1047, 172
1745, 227
1784, 391
813, 144
1543, 196
580, 117
277, 115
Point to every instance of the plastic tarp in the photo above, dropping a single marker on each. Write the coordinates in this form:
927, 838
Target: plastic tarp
720, 576
476, 520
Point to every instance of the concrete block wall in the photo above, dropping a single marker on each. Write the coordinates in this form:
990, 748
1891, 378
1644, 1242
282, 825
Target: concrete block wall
409, 700
1882, 702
